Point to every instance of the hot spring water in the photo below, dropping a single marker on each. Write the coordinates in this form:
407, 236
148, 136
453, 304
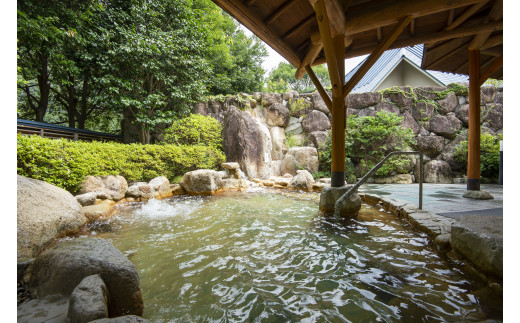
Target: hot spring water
261, 256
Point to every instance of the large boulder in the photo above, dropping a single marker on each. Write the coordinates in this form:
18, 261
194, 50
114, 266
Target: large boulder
106, 187
462, 113
61, 268
300, 158
103, 209
269, 99
44, 212
278, 141
362, 100
319, 104
348, 208
141, 191
387, 106
403, 97
493, 116
488, 93
428, 92
437, 171
448, 104
247, 142
422, 111
316, 121
410, 123
446, 126
448, 153
318, 138
160, 187
430, 145
277, 115
302, 181
480, 239
294, 127
202, 182
89, 300
123, 319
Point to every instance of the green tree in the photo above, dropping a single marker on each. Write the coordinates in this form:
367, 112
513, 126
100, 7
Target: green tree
281, 79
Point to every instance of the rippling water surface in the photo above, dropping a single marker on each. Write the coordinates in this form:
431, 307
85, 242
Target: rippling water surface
262, 257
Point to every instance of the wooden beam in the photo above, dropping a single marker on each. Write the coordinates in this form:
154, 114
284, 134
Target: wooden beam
336, 17
446, 56
328, 45
450, 16
390, 12
324, 95
465, 15
251, 2
495, 65
374, 56
378, 34
308, 59
278, 12
300, 25
421, 39
495, 14
492, 52
243, 14
473, 180
493, 41
412, 27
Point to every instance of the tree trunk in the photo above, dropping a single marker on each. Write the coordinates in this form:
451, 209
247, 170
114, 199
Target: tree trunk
71, 103
44, 86
82, 115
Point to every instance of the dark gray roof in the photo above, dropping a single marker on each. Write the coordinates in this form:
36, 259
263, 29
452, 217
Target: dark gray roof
389, 60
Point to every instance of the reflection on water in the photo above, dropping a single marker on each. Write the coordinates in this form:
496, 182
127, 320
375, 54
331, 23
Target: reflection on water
267, 257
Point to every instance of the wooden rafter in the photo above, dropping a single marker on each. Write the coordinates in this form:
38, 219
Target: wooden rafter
316, 47
283, 8
324, 95
492, 52
412, 27
251, 21
465, 15
300, 25
492, 42
495, 65
374, 56
495, 14
448, 55
390, 12
423, 38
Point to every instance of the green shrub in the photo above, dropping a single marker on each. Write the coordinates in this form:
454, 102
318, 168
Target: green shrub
195, 129
66, 163
489, 154
367, 141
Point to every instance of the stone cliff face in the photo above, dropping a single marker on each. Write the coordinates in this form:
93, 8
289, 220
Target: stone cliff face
258, 127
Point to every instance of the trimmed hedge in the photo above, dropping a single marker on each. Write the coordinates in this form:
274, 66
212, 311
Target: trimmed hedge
66, 163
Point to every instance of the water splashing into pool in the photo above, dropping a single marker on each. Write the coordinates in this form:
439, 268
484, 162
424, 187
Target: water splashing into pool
258, 256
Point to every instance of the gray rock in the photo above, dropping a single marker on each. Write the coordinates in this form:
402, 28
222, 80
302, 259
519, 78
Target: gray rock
396, 179
140, 190
269, 99
61, 268
215, 106
329, 195
446, 126
201, 108
488, 94
44, 212
366, 112
232, 169
448, 104
362, 100
429, 145
423, 111
52, 308
89, 300
387, 106
102, 209
478, 195
123, 319
479, 238
247, 142
276, 168
492, 116
462, 113
318, 138
437, 171
277, 115
315, 121
294, 127
462, 100
448, 153
319, 104
302, 181
202, 182
410, 123
86, 199
402, 99
111, 187
499, 98
300, 158
278, 142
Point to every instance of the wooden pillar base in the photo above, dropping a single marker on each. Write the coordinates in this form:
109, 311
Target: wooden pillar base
473, 184
337, 179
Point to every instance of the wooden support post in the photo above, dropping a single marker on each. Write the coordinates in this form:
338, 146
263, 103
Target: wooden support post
338, 118
473, 183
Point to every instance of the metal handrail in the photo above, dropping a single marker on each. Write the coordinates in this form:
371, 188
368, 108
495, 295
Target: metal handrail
373, 170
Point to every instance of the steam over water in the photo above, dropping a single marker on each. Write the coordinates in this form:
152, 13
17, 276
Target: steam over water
269, 258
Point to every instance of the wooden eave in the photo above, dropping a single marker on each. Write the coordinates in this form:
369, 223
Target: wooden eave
447, 27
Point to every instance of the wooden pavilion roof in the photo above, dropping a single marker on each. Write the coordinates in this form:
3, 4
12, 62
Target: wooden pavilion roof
448, 28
